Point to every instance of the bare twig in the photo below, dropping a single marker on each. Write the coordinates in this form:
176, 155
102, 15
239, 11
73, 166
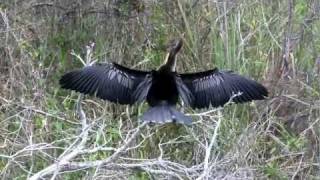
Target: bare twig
287, 43
73, 150
206, 169
66, 165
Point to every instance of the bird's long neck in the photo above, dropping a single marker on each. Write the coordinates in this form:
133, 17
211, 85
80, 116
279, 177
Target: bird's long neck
170, 62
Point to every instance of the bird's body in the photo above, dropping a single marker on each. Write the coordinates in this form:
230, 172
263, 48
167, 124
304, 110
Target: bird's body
163, 87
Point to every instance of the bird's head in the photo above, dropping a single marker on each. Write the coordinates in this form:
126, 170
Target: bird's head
173, 48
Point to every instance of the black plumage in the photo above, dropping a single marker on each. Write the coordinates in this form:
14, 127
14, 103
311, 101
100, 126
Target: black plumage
109, 81
162, 88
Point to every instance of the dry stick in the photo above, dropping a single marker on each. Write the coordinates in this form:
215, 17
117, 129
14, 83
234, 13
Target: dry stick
39, 111
146, 166
84, 137
82, 116
206, 169
116, 155
287, 41
64, 164
71, 152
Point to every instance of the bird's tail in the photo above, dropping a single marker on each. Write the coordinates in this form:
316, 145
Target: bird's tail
165, 113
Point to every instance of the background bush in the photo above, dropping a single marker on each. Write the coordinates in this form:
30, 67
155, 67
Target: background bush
274, 42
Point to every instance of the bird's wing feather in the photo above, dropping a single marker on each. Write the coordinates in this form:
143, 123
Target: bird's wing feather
109, 81
214, 87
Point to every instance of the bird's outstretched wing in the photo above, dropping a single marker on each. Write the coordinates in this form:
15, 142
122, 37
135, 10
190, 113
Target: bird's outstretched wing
214, 87
109, 81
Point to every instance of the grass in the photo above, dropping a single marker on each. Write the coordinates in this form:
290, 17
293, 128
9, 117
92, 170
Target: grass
273, 139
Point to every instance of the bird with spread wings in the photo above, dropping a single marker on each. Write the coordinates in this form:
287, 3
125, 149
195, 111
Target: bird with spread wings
163, 87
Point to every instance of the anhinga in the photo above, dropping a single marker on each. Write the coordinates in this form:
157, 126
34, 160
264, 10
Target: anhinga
162, 88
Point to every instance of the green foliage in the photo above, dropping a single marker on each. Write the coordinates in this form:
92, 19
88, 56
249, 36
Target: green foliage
293, 142
273, 171
139, 175
244, 36
300, 9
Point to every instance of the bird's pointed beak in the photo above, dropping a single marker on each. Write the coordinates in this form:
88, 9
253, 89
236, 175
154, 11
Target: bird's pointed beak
175, 46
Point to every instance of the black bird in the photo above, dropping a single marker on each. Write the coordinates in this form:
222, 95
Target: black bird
162, 88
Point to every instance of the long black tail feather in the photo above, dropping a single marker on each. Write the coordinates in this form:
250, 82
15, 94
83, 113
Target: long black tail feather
164, 114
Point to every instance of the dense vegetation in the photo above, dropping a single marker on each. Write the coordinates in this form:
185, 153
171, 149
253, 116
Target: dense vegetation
43, 134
